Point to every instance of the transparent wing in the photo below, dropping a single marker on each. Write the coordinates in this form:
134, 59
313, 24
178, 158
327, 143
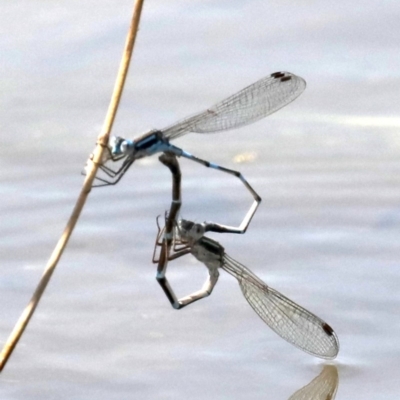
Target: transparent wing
323, 387
245, 107
289, 320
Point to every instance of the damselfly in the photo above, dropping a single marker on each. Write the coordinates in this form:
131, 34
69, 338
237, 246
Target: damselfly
289, 320
247, 106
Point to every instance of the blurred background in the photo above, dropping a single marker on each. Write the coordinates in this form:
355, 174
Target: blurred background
327, 167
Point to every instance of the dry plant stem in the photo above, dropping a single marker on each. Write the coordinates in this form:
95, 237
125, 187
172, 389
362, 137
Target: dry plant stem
91, 173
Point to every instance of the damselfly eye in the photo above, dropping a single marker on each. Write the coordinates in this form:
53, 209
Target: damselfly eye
115, 145
186, 225
124, 146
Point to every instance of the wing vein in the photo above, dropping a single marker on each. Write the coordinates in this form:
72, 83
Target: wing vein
252, 103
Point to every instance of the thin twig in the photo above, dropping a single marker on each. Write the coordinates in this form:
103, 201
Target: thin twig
93, 164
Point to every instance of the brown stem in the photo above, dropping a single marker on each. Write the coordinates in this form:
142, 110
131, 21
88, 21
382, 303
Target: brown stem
93, 164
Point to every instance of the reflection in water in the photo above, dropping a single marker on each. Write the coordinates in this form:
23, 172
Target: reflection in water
323, 387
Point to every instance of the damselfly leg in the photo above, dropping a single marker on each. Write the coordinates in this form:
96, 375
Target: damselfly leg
179, 249
114, 175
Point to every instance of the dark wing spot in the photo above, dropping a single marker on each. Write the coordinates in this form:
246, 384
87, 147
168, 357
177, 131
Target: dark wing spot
286, 78
277, 75
327, 329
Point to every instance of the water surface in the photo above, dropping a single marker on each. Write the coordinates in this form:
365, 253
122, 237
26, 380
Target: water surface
327, 167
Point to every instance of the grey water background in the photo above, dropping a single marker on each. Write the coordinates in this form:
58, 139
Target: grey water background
327, 167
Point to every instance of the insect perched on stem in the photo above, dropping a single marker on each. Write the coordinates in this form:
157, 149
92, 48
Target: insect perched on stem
245, 107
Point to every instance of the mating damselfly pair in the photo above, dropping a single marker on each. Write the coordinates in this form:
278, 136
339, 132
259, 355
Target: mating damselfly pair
291, 321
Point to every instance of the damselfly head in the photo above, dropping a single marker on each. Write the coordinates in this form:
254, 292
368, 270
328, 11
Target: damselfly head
189, 230
120, 146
